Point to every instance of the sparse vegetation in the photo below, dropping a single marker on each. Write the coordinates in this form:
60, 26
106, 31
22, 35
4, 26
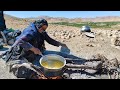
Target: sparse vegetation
68, 32
92, 24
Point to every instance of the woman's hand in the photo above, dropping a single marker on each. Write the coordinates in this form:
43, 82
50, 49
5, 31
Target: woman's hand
63, 45
36, 51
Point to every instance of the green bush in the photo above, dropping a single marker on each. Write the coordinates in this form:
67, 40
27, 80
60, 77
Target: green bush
91, 24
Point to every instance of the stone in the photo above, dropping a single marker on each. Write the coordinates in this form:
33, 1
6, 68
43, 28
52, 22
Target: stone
11, 42
115, 41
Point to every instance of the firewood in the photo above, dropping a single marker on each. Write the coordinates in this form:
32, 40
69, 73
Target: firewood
87, 65
91, 71
78, 66
82, 61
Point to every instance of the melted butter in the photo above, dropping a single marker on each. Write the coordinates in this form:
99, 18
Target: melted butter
52, 64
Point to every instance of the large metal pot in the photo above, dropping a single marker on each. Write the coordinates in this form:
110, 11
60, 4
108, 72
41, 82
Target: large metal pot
52, 72
85, 29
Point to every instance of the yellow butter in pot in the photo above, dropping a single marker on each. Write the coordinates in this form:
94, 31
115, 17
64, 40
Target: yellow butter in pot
52, 64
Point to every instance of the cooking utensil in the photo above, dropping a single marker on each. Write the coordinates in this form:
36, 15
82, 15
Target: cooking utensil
52, 71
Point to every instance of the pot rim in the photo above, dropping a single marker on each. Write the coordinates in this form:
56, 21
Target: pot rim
53, 55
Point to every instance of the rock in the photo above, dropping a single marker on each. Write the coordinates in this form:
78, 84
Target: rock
81, 76
68, 37
109, 34
79, 34
115, 41
56, 34
11, 42
65, 35
62, 37
73, 35
53, 34
75, 76
114, 62
99, 57
90, 45
99, 34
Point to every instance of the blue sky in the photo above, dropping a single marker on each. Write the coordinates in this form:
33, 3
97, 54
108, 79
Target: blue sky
67, 14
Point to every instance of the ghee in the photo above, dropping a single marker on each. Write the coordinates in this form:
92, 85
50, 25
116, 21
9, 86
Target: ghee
52, 64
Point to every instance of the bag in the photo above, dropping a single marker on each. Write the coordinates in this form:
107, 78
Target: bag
11, 35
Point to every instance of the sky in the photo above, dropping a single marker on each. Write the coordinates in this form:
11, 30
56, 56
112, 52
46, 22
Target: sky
66, 14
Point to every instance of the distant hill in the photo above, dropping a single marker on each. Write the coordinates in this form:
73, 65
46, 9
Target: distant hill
62, 19
102, 19
96, 19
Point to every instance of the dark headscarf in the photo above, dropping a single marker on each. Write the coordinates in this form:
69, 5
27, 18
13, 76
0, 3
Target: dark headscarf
39, 23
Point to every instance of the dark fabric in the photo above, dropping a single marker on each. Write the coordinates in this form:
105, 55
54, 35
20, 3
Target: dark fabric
22, 69
33, 37
2, 21
30, 37
24, 72
39, 23
13, 53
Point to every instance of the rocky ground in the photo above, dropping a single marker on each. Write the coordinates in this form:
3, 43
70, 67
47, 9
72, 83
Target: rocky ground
83, 46
4, 74
106, 42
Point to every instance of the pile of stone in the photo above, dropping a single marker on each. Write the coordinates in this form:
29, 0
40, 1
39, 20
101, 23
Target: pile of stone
115, 40
65, 34
114, 35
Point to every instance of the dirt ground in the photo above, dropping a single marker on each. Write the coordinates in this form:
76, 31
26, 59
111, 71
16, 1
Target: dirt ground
85, 47
78, 43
